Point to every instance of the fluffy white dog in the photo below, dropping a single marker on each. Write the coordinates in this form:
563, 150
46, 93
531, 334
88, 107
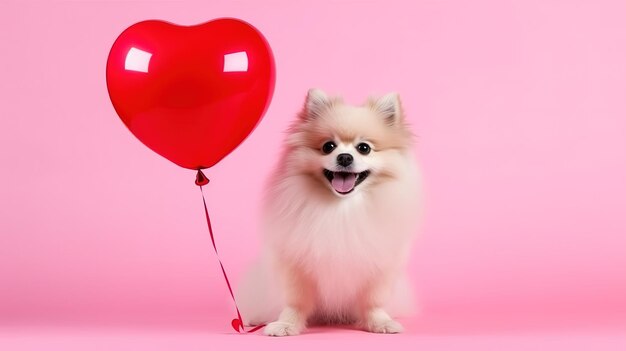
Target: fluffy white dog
339, 218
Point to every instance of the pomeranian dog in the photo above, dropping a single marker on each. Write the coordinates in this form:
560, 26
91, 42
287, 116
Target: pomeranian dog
338, 221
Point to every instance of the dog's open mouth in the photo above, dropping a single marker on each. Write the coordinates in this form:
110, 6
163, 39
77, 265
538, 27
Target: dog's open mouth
345, 182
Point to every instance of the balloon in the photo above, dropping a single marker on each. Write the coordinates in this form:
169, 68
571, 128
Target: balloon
191, 93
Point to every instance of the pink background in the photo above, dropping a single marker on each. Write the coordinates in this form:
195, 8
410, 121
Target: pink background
520, 108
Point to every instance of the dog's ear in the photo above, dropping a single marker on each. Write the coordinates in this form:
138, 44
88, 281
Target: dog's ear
316, 103
389, 107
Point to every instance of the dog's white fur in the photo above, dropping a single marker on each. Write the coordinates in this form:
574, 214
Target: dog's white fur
331, 257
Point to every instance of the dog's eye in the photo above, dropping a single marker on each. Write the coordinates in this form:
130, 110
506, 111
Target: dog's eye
363, 148
328, 147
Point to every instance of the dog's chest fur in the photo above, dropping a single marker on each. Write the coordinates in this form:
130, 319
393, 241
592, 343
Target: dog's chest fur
343, 246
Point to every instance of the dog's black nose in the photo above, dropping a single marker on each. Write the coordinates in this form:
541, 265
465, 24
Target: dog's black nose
344, 160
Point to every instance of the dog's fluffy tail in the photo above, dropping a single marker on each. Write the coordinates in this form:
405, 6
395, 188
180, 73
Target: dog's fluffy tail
258, 295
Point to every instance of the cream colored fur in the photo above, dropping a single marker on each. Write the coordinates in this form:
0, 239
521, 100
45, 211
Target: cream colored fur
328, 257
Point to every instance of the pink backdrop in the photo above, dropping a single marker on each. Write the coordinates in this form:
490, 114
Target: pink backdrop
520, 108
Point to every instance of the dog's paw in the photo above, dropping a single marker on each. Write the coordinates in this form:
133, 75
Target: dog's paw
387, 326
279, 328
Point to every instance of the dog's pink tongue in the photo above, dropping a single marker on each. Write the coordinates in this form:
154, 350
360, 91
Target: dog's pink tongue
343, 182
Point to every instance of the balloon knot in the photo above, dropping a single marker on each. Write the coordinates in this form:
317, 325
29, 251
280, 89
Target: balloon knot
201, 179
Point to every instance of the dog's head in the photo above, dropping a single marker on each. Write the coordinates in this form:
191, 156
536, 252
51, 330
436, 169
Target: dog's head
348, 148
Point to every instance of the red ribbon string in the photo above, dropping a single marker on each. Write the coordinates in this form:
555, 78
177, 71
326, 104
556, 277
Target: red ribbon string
236, 323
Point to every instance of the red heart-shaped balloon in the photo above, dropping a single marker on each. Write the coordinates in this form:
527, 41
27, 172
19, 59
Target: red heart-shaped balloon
191, 93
